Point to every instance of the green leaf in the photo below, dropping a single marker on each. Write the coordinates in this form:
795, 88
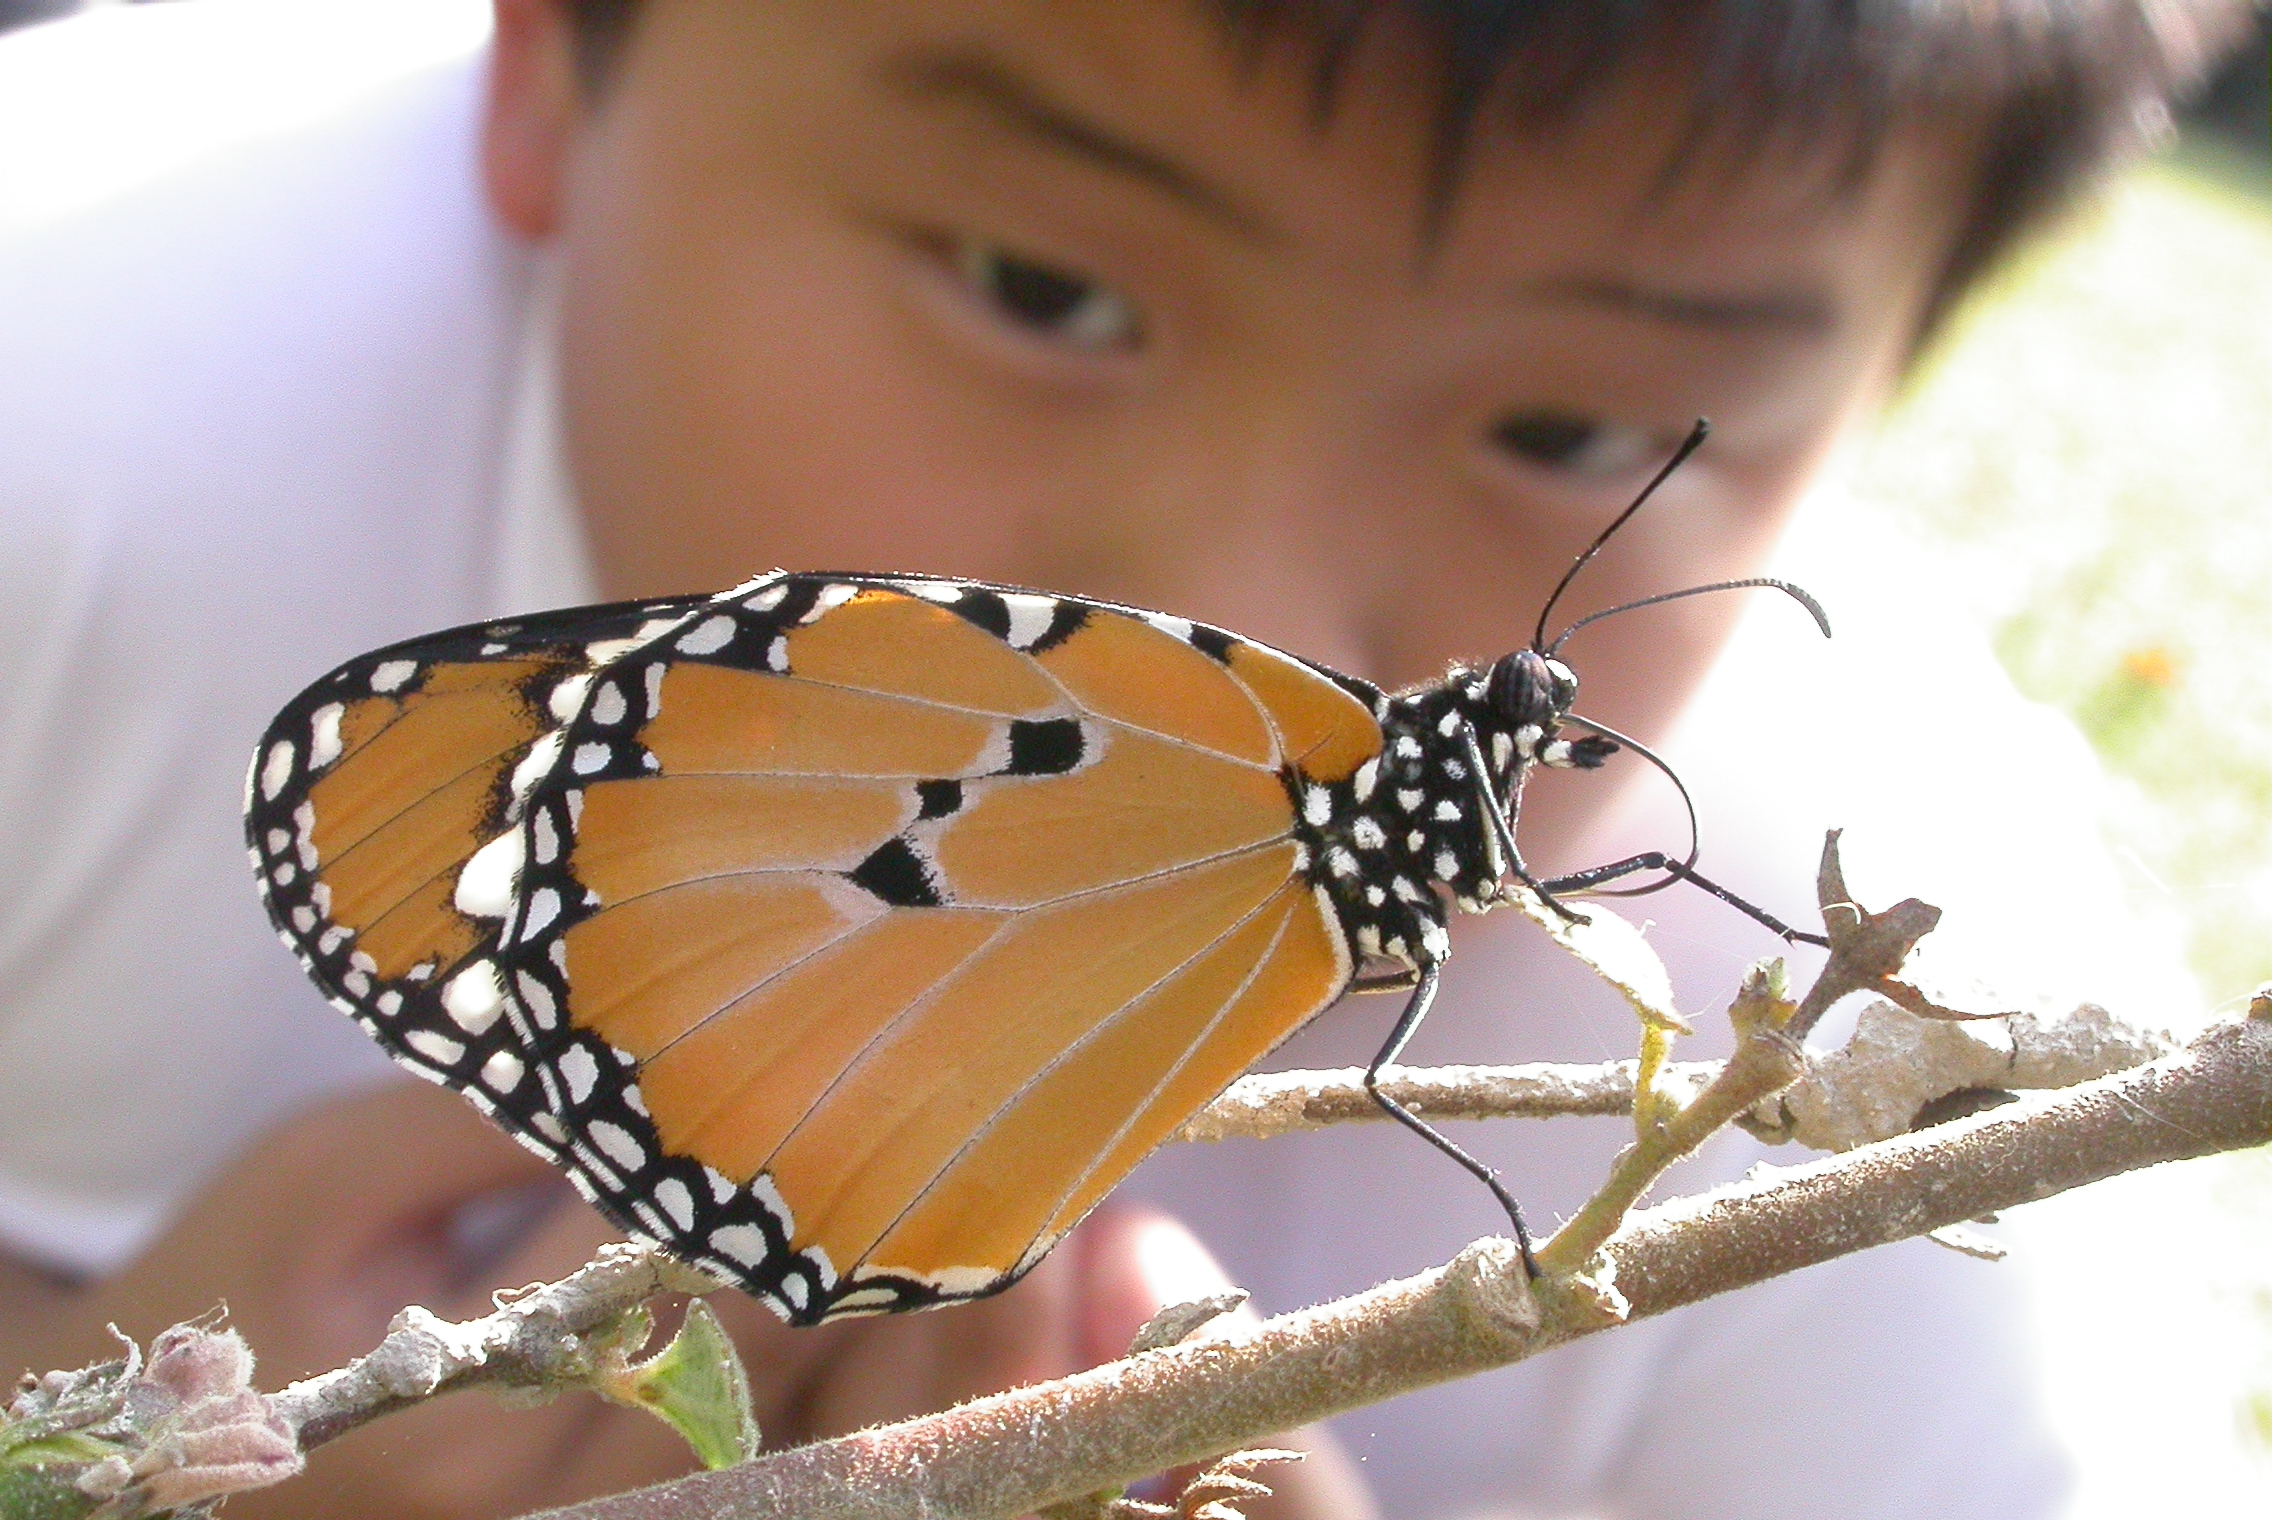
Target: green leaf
52, 1449
696, 1385
41, 1493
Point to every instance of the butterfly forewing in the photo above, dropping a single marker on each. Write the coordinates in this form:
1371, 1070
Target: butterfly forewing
868, 931
373, 788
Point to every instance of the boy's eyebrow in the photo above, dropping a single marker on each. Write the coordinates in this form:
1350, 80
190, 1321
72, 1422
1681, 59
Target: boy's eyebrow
970, 77
1800, 313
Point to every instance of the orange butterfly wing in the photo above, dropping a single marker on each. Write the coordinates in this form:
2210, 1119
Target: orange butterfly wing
868, 932
371, 790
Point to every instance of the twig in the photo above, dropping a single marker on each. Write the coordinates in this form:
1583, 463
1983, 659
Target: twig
1766, 1061
1288, 1102
1894, 1065
544, 1338
1016, 1452
1866, 949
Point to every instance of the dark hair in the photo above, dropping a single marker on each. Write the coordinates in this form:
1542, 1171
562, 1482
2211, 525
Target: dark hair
2050, 91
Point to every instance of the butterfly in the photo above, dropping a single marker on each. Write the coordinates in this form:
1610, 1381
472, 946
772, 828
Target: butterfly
852, 935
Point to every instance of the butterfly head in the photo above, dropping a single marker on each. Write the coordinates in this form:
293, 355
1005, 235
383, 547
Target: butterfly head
1526, 698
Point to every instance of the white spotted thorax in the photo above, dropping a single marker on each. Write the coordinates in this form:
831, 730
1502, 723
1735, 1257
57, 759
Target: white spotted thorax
1410, 824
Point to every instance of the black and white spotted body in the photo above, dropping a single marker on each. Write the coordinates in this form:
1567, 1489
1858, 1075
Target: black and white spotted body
1411, 825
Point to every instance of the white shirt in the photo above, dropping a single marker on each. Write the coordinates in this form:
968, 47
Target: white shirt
290, 399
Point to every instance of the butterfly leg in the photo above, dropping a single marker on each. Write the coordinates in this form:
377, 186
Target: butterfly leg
1496, 813
1655, 860
1415, 1010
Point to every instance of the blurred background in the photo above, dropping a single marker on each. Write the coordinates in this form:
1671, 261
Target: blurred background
2083, 461
2086, 458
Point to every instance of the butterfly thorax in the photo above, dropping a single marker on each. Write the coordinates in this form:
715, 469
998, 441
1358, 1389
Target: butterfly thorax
1407, 830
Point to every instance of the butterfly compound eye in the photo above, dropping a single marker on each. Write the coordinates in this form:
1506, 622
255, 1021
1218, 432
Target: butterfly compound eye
1528, 689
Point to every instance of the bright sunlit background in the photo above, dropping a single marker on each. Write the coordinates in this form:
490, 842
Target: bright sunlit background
2087, 459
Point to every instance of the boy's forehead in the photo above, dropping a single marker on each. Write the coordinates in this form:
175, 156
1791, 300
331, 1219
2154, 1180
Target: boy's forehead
1347, 162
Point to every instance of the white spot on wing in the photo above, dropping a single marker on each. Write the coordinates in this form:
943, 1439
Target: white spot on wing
323, 735
438, 1048
537, 999
536, 764
709, 636
1030, 617
544, 907
502, 1072
744, 1243
1174, 627
830, 598
1367, 776
475, 997
769, 1198
583, 1074
485, 886
671, 1196
609, 707
392, 676
277, 770
617, 1143
1317, 807
569, 696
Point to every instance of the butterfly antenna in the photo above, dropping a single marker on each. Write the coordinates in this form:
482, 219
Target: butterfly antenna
1798, 594
1694, 441
1695, 842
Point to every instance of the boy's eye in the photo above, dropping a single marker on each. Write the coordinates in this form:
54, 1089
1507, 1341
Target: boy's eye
1575, 445
1054, 303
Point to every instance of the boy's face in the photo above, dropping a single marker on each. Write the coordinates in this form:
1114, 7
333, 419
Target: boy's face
1062, 294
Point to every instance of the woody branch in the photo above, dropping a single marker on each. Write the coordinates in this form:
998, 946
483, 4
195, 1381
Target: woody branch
1016, 1452
1058, 1442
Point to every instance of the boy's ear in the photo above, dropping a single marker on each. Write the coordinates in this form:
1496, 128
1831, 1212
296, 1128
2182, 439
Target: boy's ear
534, 102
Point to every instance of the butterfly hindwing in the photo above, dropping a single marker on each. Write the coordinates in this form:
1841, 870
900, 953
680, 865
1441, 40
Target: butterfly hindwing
867, 930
